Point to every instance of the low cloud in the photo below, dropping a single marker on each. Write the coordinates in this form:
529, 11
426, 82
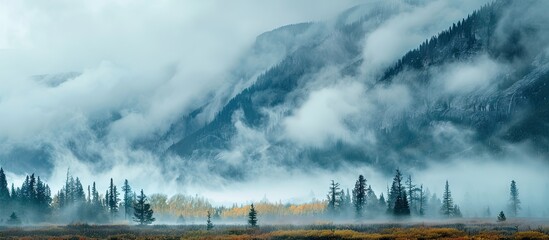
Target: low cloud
466, 77
408, 29
322, 117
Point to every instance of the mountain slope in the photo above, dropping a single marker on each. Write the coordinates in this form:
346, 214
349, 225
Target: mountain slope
443, 118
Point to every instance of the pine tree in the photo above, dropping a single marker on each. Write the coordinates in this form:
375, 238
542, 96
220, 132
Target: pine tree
397, 196
410, 190
501, 217
95, 201
143, 214
359, 195
457, 211
514, 201
127, 190
43, 198
112, 200
333, 197
382, 202
4, 191
252, 216
13, 220
447, 208
209, 224
421, 201
401, 206
79, 196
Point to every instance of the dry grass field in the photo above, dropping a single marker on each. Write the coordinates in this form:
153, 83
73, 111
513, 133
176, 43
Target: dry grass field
322, 231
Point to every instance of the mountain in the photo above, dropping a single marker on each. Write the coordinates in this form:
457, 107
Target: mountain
478, 87
309, 96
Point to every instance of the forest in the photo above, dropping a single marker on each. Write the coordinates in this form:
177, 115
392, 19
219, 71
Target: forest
34, 203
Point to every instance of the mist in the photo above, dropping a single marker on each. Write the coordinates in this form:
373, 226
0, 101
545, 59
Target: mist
100, 87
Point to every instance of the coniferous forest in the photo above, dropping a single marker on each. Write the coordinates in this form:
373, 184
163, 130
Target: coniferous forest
34, 203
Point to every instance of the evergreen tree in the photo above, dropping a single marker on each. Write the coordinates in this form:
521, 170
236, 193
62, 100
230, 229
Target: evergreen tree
514, 201
421, 201
372, 203
457, 211
342, 201
79, 196
209, 224
4, 191
501, 217
382, 202
447, 208
333, 197
143, 214
43, 198
411, 190
13, 195
359, 193
95, 201
127, 190
401, 206
13, 220
487, 212
112, 200
398, 194
252, 216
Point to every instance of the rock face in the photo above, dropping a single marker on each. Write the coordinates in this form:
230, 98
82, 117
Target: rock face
478, 87
304, 96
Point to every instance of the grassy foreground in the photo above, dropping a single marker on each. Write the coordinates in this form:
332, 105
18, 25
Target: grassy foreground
366, 231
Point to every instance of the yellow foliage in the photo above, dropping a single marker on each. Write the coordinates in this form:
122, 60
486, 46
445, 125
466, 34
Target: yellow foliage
413, 233
531, 235
276, 209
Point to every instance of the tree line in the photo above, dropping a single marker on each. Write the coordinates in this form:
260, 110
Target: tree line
33, 202
404, 199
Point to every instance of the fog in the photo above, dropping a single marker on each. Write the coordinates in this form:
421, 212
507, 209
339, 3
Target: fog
139, 67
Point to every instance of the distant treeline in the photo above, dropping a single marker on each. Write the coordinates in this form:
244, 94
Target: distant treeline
33, 202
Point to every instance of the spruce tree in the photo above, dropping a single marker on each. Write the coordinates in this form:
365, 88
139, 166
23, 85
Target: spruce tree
447, 208
514, 201
13, 220
209, 224
252, 216
422, 200
382, 202
501, 217
410, 190
112, 200
359, 195
397, 197
4, 191
333, 197
143, 214
127, 190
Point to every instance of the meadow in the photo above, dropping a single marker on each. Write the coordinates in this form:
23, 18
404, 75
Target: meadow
418, 230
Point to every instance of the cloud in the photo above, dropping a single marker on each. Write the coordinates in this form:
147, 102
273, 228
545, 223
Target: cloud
408, 29
322, 117
466, 77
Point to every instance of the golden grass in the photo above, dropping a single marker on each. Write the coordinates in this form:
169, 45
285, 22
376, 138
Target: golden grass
238, 233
